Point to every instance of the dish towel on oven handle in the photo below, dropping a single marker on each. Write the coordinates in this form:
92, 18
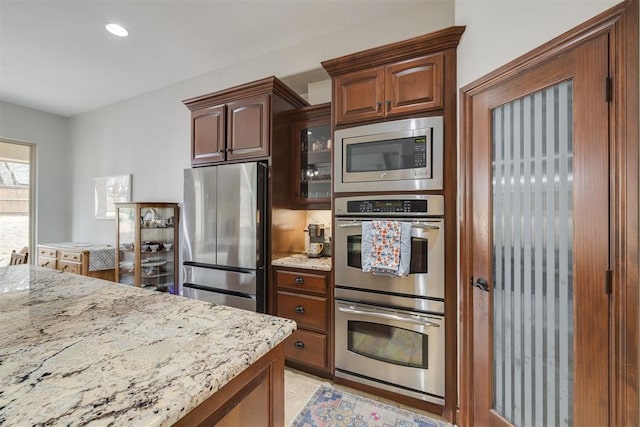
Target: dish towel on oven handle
386, 248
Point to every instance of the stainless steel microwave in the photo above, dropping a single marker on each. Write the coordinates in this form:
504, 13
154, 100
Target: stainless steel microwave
401, 155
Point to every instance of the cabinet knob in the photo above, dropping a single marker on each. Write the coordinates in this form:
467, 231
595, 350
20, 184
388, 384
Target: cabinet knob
229, 150
300, 280
378, 105
388, 104
299, 344
300, 309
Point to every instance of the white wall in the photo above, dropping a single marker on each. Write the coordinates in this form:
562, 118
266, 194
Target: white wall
50, 134
148, 136
499, 31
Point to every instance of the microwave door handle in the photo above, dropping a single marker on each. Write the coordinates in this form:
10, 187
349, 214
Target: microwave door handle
416, 320
351, 224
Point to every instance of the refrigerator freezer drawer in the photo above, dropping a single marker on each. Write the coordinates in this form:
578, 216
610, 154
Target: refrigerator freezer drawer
242, 282
244, 302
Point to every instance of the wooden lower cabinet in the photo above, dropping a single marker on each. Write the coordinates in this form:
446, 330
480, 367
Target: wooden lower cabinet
307, 347
303, 295
253, 398
70, 260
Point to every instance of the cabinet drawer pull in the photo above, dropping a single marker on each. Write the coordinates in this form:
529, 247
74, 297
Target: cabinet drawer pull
388, 104
300, 280
229, 150
378, 104
46, 263
299, 344
300, 309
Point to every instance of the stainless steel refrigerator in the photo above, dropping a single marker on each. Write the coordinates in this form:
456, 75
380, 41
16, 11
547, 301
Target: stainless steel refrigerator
224, 234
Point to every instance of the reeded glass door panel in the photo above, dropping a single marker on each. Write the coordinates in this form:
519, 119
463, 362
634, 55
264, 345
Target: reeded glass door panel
532, 297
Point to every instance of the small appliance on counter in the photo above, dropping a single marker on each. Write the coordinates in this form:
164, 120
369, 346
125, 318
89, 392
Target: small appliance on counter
316, 240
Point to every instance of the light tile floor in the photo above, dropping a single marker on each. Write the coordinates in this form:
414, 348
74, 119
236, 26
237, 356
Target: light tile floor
300, 386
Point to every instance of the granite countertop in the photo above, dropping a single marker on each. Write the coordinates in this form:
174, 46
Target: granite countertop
78, 350
303, 261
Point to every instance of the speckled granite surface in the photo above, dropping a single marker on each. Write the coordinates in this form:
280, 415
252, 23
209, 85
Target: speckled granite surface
303, 261
76, 350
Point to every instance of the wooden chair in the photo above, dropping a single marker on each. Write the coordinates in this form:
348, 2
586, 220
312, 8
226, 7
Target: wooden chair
19, 257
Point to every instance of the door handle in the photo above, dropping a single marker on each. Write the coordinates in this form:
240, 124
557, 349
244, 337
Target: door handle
418, 320
481, 283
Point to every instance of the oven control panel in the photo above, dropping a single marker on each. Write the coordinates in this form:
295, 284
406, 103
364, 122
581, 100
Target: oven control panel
391, 205
377, 206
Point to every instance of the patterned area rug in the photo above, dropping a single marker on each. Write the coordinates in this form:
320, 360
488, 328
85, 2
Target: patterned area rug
329, 407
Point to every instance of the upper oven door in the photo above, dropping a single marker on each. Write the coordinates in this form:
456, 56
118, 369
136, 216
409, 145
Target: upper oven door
426, 278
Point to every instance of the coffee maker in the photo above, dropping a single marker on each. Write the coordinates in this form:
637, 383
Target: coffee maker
316, 240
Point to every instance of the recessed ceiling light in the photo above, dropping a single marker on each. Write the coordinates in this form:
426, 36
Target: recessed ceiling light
117, 30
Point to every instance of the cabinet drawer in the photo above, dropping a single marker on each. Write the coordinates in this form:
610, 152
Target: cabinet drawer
47, 252
307, 347
70, 267
47, 262
301, 281
70, 256
308, 312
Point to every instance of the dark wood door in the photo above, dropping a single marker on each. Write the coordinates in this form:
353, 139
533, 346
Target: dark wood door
358, 96
414, 86
248, 129
539, 224
207, 140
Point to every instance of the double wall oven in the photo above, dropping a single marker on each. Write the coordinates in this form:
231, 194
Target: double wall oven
389, 330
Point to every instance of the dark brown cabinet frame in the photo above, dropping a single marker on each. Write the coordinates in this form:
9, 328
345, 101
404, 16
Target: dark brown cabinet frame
439, 44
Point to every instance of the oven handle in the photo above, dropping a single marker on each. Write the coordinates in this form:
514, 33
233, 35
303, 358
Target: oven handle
414, 225
416, 320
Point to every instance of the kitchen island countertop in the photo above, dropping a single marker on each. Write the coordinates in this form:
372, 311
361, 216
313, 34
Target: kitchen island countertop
77, 350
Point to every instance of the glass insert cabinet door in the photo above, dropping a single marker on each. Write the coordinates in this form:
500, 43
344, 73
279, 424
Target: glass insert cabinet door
315, 163
147, 239
312, 145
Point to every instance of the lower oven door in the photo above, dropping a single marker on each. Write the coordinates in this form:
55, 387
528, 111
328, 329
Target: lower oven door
426, 277
395, 350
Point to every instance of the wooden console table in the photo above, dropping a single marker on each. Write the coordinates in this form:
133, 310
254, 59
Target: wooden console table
87, 259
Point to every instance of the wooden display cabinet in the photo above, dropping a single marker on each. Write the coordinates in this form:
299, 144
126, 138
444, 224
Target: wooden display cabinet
312, 151
147, 242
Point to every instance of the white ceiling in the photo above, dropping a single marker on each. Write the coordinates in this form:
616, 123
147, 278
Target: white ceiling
56, 56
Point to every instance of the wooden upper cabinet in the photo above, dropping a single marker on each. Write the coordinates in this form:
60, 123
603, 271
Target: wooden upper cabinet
396, 89
414, 85
248, 128
237, 123
405, 78
208, 136
358, 95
